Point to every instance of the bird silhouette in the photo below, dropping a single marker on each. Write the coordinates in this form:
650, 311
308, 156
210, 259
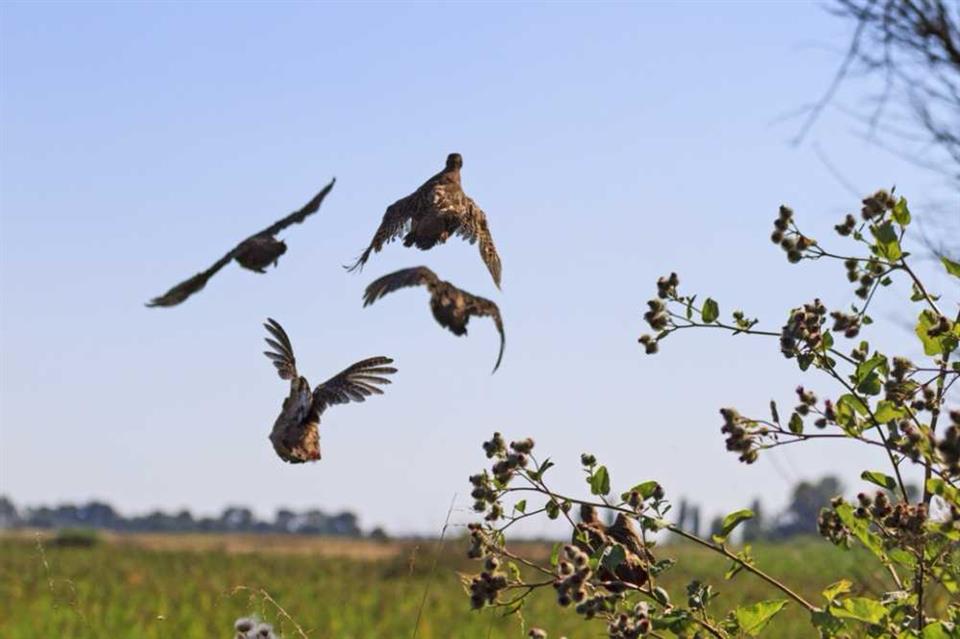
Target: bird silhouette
452, 307
254, 253
295, 435
431, 214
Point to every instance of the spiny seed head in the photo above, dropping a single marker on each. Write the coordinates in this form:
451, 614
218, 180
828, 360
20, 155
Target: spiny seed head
523, 446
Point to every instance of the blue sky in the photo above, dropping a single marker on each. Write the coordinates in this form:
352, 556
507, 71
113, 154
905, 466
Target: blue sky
608, 144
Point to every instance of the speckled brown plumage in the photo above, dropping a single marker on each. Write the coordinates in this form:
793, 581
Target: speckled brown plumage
295, 435
255, 253
451, 306
591, 536
431, 214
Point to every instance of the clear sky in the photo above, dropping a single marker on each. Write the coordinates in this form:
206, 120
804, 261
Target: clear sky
608, 144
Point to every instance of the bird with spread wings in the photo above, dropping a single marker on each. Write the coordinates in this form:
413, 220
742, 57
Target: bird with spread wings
254, 253
431, 214
451, 306
296, 435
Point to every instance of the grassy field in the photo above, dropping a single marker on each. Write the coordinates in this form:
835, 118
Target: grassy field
195, 586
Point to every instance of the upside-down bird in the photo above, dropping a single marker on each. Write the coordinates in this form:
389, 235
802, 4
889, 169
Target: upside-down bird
451, 306
295, 435
254, 253
431, 214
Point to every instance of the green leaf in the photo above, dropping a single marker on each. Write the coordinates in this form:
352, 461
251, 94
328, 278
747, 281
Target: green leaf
600, 481
662, 597
710, 311
871, 385
926, 321
555, 554
860, 530
887, 244
827, 624
861, 609
901, 213
868, 366
854, 402
939, 630
544, 467
884, 481
841, 587
953, 268
730, 522
774, 413
520, 506
888, 411
753, 619
945, 491
796, 424
612, 557
553, 509
645, 488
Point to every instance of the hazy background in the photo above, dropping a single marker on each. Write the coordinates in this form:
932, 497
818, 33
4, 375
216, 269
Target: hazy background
608, 144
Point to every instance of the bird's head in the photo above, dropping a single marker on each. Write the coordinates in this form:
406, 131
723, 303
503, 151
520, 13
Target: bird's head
588, 514
454, 161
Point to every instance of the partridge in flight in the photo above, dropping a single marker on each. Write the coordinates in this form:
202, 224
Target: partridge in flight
451, 306
295, 435
431, 214
254, 253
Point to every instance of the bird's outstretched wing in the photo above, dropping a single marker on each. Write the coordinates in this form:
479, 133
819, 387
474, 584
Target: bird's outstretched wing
355, 383
299, 216
186, 288
481, 307
415, 276
282, 353
474, 228
396, 222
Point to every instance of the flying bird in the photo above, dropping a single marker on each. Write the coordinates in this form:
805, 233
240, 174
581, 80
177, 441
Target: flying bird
431, 214
254, 253
451, 306
295, 435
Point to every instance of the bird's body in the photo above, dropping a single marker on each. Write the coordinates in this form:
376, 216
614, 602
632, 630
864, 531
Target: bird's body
296, 433
591, 536
452, 307
255, 253
432, 214
259, 252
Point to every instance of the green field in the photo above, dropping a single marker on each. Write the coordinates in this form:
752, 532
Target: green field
184, 588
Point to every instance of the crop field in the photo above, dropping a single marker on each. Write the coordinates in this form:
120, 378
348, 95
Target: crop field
195, 586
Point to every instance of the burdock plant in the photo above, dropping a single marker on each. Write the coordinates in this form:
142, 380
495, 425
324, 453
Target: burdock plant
609, 574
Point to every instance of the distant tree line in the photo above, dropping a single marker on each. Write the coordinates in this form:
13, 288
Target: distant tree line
102, 516
797, 519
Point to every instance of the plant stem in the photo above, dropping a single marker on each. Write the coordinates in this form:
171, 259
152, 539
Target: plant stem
720, 548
